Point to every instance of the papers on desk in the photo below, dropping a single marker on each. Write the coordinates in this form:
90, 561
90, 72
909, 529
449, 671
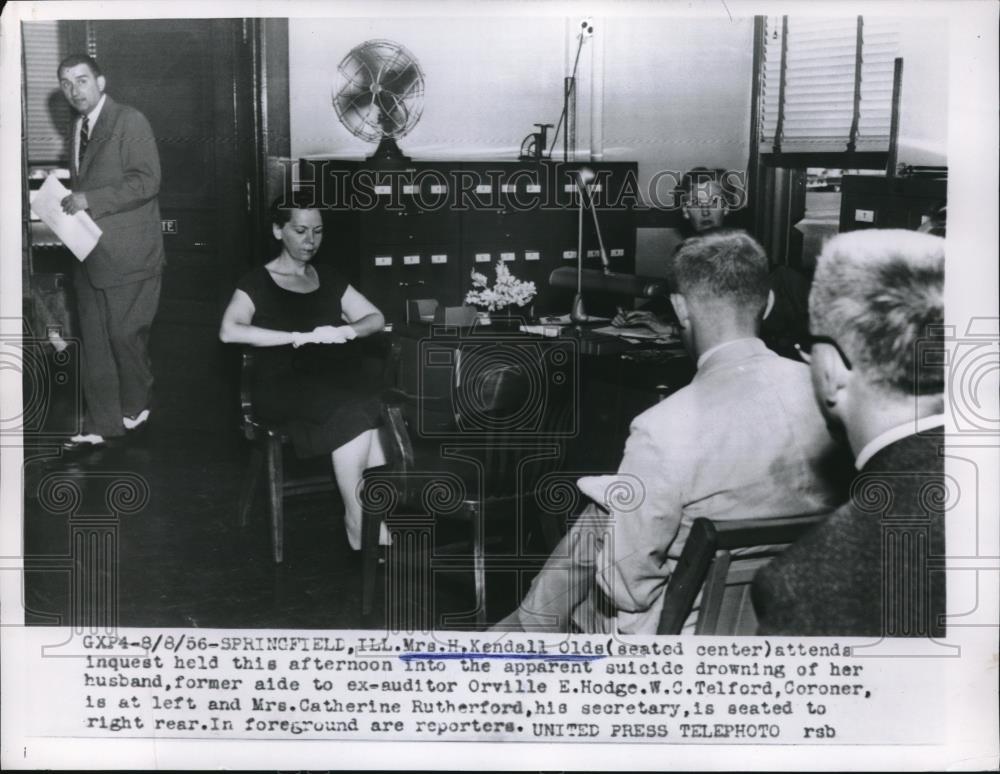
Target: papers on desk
564, 319
549, 331
637, 333
78, 232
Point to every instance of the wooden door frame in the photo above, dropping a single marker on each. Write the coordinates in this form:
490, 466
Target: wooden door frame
240, 168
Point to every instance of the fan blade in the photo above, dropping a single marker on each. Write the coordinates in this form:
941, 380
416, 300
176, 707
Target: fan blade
365, 67
356, 100
401, 81
363, 122
393, 113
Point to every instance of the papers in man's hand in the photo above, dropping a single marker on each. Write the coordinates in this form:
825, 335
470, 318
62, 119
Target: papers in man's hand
78, 232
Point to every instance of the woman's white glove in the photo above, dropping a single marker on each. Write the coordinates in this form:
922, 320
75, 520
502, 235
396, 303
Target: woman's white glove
325, 334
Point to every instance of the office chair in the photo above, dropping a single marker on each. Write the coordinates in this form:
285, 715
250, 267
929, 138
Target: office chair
711, 565
461, 456
268, 442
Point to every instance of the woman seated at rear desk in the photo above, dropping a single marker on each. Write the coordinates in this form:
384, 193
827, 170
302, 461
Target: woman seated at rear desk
704, 208
302, 317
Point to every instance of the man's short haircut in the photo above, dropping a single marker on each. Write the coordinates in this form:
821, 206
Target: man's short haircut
281, 208
879, 294
78, 59
724, 263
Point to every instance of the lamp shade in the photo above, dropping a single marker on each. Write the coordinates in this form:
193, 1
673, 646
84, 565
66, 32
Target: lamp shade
620, 284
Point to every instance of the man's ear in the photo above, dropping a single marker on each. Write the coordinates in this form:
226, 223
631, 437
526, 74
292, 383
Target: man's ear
830, 375
769, 306
101, 83
679, 304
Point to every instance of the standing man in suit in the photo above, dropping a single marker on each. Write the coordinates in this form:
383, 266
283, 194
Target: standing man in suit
116, 179
877, 358
743, 440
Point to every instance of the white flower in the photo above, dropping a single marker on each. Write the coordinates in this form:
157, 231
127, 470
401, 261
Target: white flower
507, 290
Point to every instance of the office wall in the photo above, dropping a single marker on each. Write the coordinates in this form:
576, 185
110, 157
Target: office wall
676, 91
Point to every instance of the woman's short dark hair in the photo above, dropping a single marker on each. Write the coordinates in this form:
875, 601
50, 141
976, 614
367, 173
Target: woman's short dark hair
281, 208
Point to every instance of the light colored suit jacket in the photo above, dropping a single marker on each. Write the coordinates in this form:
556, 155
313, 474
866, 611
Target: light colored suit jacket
120, 174
745, 439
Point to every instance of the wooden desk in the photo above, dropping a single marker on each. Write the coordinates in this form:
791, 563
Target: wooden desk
611, 381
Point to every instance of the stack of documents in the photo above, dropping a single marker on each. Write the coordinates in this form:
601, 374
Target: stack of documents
78, 232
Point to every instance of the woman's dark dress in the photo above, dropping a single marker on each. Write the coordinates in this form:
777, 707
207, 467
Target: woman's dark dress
314, 391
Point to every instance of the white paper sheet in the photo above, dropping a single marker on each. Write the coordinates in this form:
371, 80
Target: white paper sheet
634, 332
78, 232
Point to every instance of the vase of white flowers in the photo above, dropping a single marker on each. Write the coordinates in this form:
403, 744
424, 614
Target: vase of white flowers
509, 296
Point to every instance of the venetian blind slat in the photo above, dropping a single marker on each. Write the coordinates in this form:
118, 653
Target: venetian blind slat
47, 116
820, 61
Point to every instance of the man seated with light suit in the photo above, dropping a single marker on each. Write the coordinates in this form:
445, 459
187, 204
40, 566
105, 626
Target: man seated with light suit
877, 357
743, 440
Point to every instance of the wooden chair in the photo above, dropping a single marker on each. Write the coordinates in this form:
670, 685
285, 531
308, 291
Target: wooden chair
267, 454
711, 565
485, 470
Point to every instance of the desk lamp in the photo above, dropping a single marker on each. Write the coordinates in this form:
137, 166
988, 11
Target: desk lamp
604, 280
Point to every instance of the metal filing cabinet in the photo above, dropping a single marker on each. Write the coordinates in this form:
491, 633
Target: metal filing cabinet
420, 230
869, 201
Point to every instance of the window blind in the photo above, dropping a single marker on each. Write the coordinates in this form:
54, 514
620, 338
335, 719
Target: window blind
814, 96
47, 114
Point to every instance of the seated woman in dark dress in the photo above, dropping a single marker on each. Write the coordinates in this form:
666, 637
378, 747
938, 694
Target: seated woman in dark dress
302, 317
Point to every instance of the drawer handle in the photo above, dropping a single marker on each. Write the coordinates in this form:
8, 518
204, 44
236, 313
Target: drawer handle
411, 284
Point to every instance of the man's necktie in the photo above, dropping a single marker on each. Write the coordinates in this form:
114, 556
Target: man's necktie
84, 138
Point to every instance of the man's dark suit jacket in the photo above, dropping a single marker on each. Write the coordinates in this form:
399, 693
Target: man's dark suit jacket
120, 174
864, 571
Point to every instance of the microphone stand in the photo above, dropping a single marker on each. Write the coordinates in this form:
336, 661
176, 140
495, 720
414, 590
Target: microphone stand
578, 313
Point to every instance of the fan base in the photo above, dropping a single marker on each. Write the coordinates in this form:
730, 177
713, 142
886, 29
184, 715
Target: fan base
388, 152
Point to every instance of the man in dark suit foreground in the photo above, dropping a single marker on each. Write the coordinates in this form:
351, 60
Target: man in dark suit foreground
876, 314
116, 179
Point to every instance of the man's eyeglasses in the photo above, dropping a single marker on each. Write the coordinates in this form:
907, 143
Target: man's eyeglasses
804, 348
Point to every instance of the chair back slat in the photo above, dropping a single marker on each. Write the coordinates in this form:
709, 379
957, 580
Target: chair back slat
688, 576
711, 550
248, 421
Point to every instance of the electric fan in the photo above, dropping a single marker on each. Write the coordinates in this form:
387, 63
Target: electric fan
379, 95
